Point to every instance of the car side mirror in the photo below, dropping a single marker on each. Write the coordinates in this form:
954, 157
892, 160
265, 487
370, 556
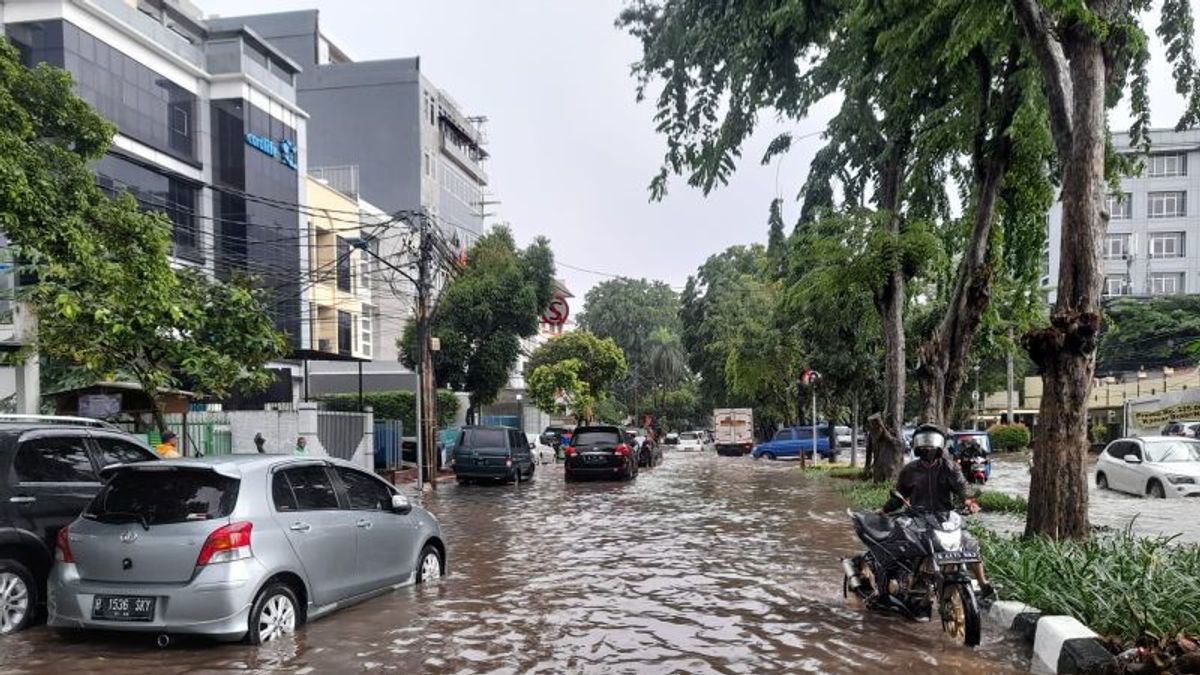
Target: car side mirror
401, 505
1132, 459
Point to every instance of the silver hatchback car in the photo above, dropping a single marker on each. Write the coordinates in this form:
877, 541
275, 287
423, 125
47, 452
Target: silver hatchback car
236, 547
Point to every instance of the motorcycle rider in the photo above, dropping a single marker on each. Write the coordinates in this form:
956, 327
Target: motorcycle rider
931, 481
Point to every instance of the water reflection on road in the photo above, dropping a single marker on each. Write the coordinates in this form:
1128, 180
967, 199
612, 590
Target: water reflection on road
702, 565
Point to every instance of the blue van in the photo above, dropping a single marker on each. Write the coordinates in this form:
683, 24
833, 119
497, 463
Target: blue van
790, 441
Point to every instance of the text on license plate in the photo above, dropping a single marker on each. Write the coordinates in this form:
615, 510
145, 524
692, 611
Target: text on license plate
123, 608
956, 557
594, 459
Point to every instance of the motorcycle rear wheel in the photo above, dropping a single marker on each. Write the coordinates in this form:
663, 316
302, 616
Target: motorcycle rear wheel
960, 614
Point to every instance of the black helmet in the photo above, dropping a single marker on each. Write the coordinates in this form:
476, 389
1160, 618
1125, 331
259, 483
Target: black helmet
929, 441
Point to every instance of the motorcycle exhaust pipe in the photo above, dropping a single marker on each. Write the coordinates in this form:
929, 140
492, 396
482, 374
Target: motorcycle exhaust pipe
851, 574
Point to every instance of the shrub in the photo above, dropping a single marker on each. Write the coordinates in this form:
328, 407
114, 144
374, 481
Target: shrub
1008, 437
998, 502
1125, 587
395, 405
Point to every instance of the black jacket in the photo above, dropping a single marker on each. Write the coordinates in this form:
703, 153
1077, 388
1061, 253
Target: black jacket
930, 488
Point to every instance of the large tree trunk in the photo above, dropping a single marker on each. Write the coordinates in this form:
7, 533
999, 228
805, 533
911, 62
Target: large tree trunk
1074, 74
944, 356
889, 447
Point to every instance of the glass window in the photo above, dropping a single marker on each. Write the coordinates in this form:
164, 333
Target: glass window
1162, 165
366, 492
281, 492
596, 437
1118, 449
157, 497
1116, 246
484, 438
783, 435
343, 264
1166, 245
158, 192
1169, 283
1167, 204
1173, 451
117, 451
58, 459
1116, 284
1120, 206
312, 488
345, 332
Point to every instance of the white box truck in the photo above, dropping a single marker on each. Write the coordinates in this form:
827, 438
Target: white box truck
733, 429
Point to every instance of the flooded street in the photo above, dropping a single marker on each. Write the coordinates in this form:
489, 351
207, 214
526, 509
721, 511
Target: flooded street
702, 565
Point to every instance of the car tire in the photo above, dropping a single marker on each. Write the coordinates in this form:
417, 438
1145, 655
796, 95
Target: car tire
769, 455
430, 565
275, 613
1101, 480
1155, 490
18, 597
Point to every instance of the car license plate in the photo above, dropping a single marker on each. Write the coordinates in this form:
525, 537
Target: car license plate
123, 608
946, 557
593, 459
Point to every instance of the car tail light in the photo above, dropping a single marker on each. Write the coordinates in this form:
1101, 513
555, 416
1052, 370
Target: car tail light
569, 450
62, 548
622, 450
226, 544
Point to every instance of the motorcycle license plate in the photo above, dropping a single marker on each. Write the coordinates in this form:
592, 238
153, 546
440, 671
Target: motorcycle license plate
948, 557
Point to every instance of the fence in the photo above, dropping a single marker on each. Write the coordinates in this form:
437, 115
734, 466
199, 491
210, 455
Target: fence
207, 433
389, 444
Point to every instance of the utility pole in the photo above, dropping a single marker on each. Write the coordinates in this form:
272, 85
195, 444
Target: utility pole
1011, 420
427, 396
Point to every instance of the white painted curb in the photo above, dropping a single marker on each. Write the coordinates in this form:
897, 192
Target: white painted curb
1052, 633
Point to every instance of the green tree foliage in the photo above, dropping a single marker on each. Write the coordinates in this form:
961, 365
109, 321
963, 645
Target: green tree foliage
680, 409
666, 362
396, 405
601, 361
484, 313
107, 299
1149, 332
559, 389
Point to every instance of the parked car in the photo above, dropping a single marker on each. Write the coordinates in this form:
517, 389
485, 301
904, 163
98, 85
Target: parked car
542, 453
600, 451
1153, 466
844, 436
791, 441
49, 471
237, 547
689, 441
1182, 428
486, 453
553, 435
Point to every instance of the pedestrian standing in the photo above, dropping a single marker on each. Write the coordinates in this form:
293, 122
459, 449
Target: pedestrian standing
259, 442
169, 447
301, 446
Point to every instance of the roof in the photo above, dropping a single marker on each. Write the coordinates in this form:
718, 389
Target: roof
229, 465
124, 386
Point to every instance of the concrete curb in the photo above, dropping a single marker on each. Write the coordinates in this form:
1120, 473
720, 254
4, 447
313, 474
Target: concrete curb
1061, 644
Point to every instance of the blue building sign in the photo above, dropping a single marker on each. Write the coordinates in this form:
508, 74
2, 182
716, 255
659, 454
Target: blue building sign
285, 150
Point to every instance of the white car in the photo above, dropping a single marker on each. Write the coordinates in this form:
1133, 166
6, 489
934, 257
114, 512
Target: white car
542, 453
689, 441
1154, 466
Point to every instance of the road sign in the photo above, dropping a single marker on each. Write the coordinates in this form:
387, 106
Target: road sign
557, 311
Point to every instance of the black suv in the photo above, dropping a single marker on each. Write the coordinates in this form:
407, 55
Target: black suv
48, 475
600, 452
492, 454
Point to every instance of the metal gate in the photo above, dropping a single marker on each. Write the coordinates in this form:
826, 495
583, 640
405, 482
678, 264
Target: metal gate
208, 433
389, 444
341, 432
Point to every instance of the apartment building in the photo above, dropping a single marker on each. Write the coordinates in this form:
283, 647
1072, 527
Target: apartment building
1152, 246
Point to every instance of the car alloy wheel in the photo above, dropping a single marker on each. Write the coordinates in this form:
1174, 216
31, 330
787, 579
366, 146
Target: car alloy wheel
14, 601
274, 614
430, 568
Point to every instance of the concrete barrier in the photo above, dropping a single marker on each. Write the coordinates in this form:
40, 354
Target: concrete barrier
1061, 644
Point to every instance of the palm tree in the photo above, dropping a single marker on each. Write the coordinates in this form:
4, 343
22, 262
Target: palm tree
666, 361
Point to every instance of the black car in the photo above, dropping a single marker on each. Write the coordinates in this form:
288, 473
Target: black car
49, 472
492, 454
552, 435
600, 452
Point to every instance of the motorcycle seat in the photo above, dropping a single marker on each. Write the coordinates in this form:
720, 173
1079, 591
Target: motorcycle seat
874, 525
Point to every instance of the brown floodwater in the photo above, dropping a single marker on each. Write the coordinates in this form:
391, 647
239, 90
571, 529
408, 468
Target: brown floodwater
702, 565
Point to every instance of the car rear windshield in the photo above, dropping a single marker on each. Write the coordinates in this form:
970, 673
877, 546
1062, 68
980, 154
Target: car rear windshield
688, 436
485, 438
162, 497
596, 437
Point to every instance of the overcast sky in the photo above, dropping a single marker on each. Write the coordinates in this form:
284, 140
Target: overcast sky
572, 151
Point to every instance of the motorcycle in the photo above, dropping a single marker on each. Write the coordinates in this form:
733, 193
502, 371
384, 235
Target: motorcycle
914, 562
974, 467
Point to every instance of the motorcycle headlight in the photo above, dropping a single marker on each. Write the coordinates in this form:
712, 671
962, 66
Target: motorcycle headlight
949, 541
1181, 480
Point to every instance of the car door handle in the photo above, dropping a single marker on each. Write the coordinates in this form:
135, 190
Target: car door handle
22, 500
300, 527
364, 524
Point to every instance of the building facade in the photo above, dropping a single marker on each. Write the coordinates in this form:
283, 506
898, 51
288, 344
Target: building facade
1152, 245
340, 311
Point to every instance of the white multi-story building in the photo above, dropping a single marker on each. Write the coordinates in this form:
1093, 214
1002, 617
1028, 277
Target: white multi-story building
1152, 246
